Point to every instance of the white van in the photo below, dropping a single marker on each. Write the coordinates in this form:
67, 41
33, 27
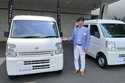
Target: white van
34, 46
107, 43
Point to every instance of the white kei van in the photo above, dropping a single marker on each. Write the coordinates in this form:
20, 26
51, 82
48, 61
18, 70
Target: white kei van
107, 43
34, 46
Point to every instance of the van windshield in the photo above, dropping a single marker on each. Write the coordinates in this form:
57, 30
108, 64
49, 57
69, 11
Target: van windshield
113, 30
33, 29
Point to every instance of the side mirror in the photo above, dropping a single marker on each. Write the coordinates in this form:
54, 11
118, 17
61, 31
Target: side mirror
6, 34
61, 34
92, 33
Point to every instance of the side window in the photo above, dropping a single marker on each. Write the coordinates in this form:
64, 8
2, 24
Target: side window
86, 26
94, 31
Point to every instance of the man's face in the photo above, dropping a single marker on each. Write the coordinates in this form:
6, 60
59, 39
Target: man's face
81, 23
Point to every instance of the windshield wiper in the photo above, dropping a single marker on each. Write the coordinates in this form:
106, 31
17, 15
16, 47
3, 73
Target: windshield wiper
50, 37
37, 37
31, 37
119, 36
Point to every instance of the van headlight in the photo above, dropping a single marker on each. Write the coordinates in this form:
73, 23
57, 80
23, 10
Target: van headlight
59, 48
111, 45
10, 50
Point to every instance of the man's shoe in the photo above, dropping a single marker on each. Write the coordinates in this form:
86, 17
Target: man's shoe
76, 71
82, 73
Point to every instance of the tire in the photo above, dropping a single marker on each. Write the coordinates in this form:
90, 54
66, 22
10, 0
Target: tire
59, 72
12, 77
101, 61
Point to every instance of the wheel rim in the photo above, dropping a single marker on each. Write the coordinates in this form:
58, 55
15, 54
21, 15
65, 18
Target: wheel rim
101, 61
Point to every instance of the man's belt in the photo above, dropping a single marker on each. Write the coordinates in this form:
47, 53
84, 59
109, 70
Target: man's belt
79, 44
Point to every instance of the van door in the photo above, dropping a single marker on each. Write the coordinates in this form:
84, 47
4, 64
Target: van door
95, 39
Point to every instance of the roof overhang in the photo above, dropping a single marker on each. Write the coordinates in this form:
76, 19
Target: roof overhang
67, 6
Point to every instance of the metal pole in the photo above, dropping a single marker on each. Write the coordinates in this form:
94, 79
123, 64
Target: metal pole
11, 11
102, 11
59, 15
100, 5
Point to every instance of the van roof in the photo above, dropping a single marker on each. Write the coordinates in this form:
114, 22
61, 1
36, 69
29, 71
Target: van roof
103, 21
31, 17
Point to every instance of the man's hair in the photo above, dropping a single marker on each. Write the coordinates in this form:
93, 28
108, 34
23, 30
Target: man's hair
80, 19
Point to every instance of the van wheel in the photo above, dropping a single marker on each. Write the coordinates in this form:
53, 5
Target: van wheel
102, 61
59, 72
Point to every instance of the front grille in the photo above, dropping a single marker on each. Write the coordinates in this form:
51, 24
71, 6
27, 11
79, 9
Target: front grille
37, 62
35, 53
40, 67
122, 55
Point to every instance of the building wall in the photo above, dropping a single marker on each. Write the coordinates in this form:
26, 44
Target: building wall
66, 21
3, 24
115, 10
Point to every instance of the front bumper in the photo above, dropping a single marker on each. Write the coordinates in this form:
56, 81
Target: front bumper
32, 65
113, 58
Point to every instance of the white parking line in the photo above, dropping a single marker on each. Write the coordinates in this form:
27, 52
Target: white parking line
1, 61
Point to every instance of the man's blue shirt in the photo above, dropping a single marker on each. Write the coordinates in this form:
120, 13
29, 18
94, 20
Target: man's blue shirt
81, 36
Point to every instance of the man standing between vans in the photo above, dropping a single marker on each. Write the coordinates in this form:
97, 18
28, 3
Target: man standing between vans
81, 39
